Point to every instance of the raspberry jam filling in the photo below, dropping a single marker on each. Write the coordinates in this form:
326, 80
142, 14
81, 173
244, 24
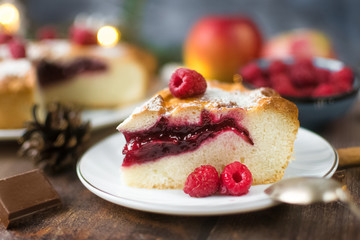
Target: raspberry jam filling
163, 139
50, 73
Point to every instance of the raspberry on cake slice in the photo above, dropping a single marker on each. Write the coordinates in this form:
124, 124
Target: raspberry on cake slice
168, 137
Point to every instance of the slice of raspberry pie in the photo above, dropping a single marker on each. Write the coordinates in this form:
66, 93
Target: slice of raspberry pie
168, 137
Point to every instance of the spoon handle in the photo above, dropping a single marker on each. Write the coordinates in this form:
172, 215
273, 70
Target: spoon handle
346, 198
349, 156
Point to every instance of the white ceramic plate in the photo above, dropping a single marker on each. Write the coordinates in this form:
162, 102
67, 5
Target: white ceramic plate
99, 118
10, 134
99, 170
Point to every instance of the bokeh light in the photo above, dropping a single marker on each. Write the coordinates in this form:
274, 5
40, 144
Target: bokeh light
9, 17
108, 36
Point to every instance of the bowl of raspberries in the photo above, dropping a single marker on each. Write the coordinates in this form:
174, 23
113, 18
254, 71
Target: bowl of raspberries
323, 89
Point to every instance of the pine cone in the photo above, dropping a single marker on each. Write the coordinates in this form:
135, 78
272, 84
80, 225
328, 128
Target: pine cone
56, 143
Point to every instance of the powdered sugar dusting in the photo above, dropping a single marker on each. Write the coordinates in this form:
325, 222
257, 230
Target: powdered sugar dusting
35, 51
4, 51
59, 48
14, 68
243, 99
54, 48
154, 104
213, 97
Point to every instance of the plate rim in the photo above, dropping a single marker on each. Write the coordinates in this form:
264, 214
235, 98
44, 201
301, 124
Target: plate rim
171, 209
11, 134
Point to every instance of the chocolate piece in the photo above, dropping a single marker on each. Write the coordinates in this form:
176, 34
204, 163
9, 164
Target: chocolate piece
25, 194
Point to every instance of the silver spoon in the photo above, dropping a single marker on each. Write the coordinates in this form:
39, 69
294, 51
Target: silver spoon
307, 190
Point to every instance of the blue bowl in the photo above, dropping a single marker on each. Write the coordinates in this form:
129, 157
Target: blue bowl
315, 113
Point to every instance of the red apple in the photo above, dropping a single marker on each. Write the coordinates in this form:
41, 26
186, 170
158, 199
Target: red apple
217, 46
299, 43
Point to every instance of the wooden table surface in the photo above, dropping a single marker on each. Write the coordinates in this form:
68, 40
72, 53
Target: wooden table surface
86, 216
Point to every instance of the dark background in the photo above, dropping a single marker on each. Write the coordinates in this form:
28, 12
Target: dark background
162, 25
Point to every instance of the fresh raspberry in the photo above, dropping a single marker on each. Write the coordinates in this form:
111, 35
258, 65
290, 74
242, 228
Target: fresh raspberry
302, 73
47, 32
305, 91
287, 90
83, 36
261, 82
344, 75
277, 67
283, 85
306, 62
202, 182
5, 38
250, 72
279, 79
236, 179
324, 90
186, 83
322, 75
342, 87
17, 48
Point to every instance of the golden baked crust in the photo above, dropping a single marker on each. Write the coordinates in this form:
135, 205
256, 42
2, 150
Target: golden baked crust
15, 84
180, 109
17, 96
269, 98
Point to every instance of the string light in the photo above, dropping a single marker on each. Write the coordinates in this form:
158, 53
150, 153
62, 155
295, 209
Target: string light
9, 17
108, 36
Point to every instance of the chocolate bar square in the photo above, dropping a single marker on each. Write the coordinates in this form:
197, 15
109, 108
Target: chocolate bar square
25, 194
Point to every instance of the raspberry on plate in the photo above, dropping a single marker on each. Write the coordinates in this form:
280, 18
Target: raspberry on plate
202, 182
186, 83
236, 179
